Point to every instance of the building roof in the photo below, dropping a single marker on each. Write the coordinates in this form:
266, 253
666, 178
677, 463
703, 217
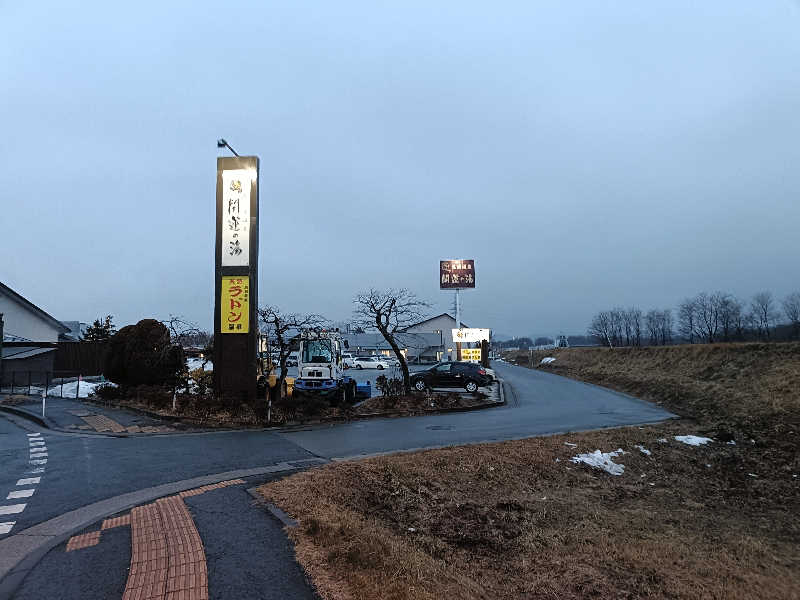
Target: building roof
444, 314
27, 304
416, 341
17, 352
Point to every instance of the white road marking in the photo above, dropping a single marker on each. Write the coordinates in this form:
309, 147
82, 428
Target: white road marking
34, 434
36, 470
41, 461
29, 481
36, 442
6, 527
14, 494
12, 509
38, 454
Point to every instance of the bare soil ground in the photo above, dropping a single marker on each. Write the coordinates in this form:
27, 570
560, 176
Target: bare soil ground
520, 520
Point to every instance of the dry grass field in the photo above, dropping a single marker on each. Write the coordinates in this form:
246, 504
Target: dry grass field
521, 520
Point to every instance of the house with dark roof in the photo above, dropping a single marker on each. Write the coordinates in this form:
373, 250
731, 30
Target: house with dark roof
29, 334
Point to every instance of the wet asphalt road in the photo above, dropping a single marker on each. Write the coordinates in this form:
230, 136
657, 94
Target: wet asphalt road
82, 469
537, 403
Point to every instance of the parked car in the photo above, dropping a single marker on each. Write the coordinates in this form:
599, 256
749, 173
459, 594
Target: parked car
390, 360
468, 375
370, 362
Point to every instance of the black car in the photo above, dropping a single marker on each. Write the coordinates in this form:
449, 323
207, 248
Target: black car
468, 375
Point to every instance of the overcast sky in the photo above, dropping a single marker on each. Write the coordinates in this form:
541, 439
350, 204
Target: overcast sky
585, 154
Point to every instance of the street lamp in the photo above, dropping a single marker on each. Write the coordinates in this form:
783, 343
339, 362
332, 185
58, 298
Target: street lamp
221, 143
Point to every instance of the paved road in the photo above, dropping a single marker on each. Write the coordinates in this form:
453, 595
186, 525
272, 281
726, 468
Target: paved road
538, 403
82, 469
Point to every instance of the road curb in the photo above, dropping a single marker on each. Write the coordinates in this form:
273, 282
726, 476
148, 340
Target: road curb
21, 412
20, 553
276, 512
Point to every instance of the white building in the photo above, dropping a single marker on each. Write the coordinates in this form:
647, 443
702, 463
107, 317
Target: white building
29, 334
442, 325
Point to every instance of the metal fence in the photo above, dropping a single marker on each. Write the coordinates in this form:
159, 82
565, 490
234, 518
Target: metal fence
59, 384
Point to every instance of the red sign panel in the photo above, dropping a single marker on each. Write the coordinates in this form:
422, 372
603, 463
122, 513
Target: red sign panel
456, 274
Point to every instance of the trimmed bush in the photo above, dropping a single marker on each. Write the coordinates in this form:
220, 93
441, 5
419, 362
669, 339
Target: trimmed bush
143, 354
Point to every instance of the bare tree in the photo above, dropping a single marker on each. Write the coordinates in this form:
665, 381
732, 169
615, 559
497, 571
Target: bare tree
390, 312
280, 329
729, 311
791, 308
762, 309
652, 322
600, 328
687, 319
707, 312
666, 327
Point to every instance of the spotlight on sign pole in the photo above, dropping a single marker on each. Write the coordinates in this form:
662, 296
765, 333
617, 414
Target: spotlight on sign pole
221, 143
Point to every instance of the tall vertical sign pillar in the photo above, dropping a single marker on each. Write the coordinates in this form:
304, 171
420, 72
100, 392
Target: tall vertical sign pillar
236, 280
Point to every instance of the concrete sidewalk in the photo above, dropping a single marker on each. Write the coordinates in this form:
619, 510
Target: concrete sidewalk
79, 416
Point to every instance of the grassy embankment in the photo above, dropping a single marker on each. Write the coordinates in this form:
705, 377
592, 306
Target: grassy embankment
519, 520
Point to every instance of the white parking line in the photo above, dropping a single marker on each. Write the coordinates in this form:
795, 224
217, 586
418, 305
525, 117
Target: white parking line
29, 481
14, 494
12, 509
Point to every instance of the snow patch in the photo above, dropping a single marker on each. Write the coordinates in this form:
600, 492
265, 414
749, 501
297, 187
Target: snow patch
197, 363
662, 440
601, 460
547, 360
693, 440
570, 444
643, 450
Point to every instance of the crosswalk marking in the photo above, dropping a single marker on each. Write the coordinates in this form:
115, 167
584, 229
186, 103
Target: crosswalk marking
34, 434
12, 509
6, 527
41, 461
29, 481
14, 494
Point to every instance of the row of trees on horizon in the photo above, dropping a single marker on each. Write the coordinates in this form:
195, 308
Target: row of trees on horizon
703, 318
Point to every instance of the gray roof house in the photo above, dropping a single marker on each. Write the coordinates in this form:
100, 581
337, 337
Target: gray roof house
29, 334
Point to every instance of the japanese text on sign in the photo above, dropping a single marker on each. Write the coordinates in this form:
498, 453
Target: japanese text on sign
456, 274
471, 335
235, 305
471, 354
236, 217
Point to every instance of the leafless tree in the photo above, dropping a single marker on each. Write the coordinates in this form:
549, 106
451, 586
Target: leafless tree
729, 310
791, 308
390, 312
688, 319
707, 312
666, 327
280, 328
600, 328
762, 309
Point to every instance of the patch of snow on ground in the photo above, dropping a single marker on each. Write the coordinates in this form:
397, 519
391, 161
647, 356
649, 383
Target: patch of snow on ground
601, 460
547, 360
570, 444
196, 363
662, 440
644, 450
69, 389
693, 440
